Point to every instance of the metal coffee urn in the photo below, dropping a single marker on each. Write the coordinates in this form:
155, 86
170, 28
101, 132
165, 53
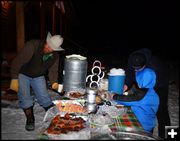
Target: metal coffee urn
75, 72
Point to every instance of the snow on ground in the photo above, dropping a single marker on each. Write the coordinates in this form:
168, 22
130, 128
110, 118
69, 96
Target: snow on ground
13, 118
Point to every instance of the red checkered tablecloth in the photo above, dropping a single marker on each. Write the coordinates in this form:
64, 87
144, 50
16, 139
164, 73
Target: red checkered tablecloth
127, 122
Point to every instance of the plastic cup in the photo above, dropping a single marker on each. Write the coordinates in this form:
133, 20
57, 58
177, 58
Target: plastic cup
60, 88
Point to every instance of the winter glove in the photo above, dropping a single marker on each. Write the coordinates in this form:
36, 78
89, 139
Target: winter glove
14, 85
55, 86
106, 96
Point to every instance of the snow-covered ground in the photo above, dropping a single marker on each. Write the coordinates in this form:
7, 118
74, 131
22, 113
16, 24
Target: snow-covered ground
13, 119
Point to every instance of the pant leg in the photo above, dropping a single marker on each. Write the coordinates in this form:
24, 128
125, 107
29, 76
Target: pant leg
163, 113
25, 99
40, 89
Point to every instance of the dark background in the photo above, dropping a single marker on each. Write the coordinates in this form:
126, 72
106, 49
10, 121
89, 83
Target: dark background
105, 30
119, 27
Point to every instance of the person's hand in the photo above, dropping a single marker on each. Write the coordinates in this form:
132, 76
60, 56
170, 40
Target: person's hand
14, 85
106, 96
112, 96
98, 99
125, 87
55, 86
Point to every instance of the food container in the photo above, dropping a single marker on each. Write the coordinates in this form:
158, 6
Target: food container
71, 106
100, 120
116, 78
78, 94
79, 134
91, 108
75, 72
91, 95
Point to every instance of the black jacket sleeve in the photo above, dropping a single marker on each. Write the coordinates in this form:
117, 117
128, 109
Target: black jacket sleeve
136, 95
130, 77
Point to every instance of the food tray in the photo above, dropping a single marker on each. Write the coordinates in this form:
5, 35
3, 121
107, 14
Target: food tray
71, 106
75, 95
100, 120
95, 125
113, 111
78, 101
83, 133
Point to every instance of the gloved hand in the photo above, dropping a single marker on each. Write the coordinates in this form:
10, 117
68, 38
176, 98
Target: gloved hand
55, 86
14, 85
106, 96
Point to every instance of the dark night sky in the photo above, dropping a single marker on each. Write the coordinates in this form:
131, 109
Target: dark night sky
111, 28
119, 27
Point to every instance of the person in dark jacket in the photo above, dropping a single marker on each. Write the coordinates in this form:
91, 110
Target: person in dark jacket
143, 58
143, 100
28, 70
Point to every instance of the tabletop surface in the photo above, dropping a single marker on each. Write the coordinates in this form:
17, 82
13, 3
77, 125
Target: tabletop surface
126, 122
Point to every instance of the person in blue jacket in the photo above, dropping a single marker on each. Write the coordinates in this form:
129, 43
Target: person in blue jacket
144, 57
144, 101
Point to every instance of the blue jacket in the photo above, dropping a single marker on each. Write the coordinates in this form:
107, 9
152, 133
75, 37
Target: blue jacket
145, 109
153, 62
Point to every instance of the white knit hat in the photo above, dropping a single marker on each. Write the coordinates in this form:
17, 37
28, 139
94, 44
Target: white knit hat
54, 42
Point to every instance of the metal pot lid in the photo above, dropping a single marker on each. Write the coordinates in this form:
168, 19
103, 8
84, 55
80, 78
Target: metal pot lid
76, 56
91, 91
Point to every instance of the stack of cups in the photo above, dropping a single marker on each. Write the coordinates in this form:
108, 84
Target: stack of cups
116, 78
103, 85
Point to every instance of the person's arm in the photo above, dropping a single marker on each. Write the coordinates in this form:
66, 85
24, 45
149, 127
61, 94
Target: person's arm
137, 95
130, 77
23, 57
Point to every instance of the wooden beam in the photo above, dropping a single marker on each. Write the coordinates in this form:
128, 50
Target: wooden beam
61, 24
20, 36
42, 22
54, 19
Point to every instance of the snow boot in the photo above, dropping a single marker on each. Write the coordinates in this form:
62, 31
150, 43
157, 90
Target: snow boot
30, 122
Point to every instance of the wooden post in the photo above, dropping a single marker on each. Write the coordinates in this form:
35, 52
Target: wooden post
54, 20
61, 24
62, 12
42, 20
20, 37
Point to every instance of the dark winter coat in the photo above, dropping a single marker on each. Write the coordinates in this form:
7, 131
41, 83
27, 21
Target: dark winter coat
29, 61
153, 62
